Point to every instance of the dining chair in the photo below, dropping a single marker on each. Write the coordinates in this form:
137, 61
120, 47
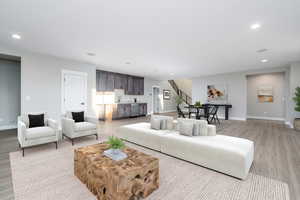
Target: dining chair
213, 114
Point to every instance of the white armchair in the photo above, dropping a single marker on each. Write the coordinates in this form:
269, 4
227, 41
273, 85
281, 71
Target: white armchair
72, 130
29, 137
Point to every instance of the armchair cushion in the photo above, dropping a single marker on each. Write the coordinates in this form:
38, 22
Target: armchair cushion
84, 126
39, 132
36, 120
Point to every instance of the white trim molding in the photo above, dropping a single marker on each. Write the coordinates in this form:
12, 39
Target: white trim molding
266, 118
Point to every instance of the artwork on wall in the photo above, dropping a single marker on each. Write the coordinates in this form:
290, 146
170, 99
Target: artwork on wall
265, 94
166, 94
217, 93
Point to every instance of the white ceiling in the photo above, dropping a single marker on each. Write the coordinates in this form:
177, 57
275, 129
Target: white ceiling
189, 38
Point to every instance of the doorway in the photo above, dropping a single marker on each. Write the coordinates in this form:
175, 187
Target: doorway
266, 96
74, 91
10, 89
155, 99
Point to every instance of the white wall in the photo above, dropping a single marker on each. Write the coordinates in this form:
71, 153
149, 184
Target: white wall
268, 110
236, 87
185, 85
10, 90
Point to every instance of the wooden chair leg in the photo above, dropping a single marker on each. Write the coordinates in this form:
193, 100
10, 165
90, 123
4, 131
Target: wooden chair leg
96, 136
23, 152
72, 142
56, 145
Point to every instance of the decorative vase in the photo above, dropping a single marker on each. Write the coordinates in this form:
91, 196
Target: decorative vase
297, 124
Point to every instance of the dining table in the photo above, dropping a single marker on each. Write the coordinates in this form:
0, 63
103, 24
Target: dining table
198, 111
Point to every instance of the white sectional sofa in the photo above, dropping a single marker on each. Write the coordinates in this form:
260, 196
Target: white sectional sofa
226, 154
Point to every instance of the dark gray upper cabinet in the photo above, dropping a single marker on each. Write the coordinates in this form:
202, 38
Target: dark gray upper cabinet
120, 81
130, 85
102, 80
108, 81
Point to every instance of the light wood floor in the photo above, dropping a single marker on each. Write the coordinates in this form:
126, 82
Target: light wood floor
277, 150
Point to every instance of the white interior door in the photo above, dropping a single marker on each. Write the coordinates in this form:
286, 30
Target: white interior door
74, 91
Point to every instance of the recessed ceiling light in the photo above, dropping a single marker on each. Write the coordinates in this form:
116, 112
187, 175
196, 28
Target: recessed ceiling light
172, 74
255, 26
16, 36
264, 60
90, 54
127, 63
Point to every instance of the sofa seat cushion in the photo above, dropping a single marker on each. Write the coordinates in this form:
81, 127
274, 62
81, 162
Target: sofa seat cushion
85, 126
39, 132
230, 155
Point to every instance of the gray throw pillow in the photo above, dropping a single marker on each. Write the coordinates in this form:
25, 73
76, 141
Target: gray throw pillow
201, 128
163, 124
155, 123
186, 128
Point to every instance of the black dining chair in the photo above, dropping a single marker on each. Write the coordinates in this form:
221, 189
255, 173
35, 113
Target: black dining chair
192, 111
181, 113
213, 115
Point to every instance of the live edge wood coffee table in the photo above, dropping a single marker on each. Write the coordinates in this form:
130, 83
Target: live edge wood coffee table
129, 179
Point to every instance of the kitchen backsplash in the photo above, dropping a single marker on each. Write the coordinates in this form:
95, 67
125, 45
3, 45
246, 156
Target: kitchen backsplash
120, 97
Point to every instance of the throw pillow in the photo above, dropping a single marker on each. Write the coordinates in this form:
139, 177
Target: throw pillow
186, 128
78, 116
163, 124
155, 123
201, 128
36, 120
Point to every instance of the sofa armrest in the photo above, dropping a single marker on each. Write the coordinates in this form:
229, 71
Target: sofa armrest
93, 120
68, 126
21, 132
53, 124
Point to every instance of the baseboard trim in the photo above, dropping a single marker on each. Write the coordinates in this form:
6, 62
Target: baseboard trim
266, 118
167, 111
8, 127
233, 118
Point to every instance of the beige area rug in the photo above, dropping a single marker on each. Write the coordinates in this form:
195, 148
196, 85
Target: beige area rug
47, 174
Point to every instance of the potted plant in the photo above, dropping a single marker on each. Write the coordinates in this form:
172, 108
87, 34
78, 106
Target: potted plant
297, 108
198, 104
178, 100
115, 144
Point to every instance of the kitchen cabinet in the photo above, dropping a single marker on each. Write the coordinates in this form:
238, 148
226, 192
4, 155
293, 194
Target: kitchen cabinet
120, 81
126, 110
108, 81
130, 85
143, 109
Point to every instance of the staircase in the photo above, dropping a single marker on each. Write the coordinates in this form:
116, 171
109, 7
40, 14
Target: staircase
186, 98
